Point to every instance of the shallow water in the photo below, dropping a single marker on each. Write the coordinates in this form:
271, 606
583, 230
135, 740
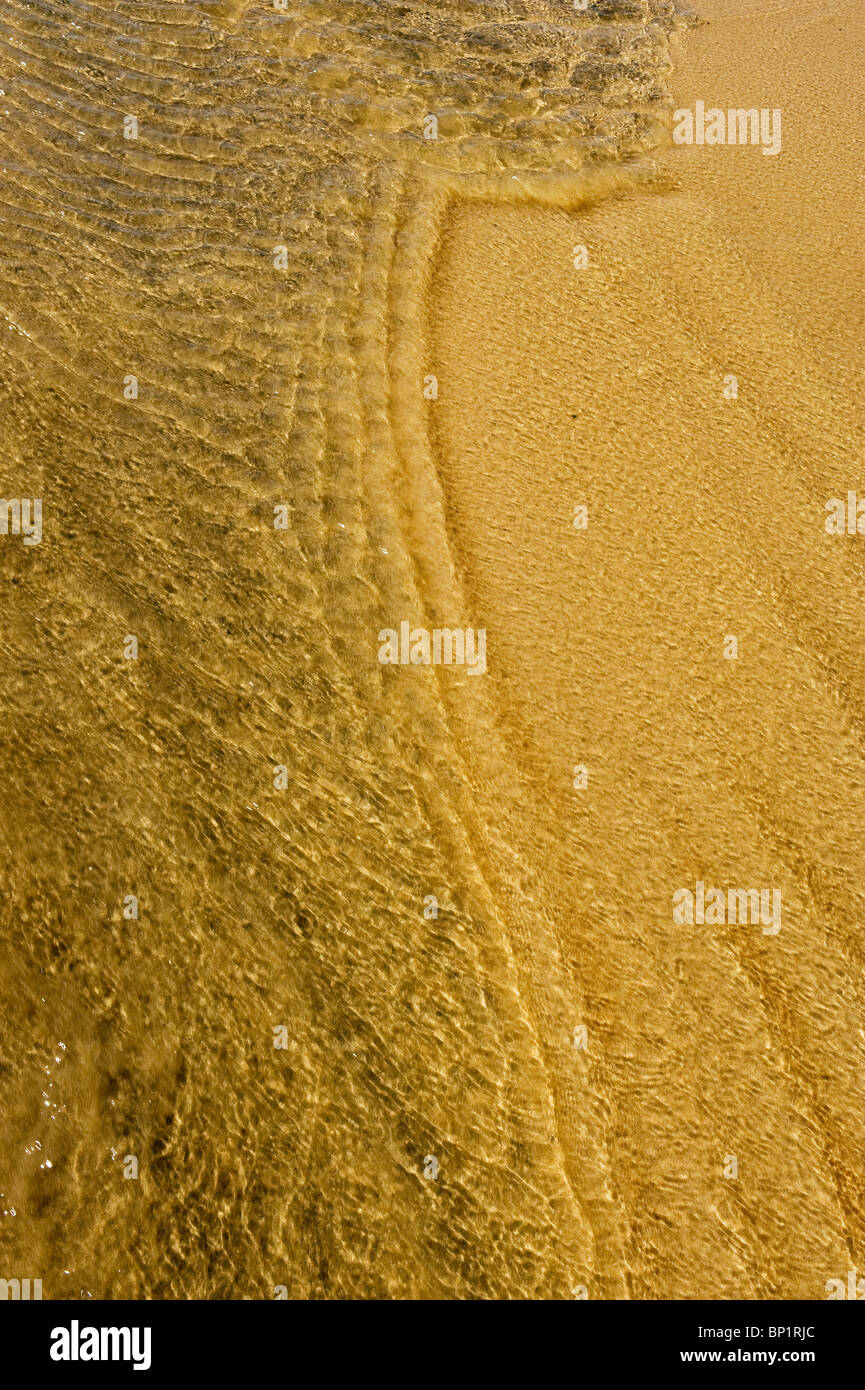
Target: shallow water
260, 387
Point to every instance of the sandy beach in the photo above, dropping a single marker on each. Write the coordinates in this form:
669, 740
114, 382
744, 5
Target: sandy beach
605, 387
413, 317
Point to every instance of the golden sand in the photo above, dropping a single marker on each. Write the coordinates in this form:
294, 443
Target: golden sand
301, 899
605, 387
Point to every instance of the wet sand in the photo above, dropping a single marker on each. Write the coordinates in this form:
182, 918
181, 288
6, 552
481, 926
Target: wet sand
604, 386
282, 806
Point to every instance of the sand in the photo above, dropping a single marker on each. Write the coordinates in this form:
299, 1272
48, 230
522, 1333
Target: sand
503, 1070
604, 386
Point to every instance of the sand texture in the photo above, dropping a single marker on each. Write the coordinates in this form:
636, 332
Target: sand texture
283, 261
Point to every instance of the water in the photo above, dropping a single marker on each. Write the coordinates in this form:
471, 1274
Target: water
260, 387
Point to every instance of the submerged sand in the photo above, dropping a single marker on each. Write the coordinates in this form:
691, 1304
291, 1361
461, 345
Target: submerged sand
300, 900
